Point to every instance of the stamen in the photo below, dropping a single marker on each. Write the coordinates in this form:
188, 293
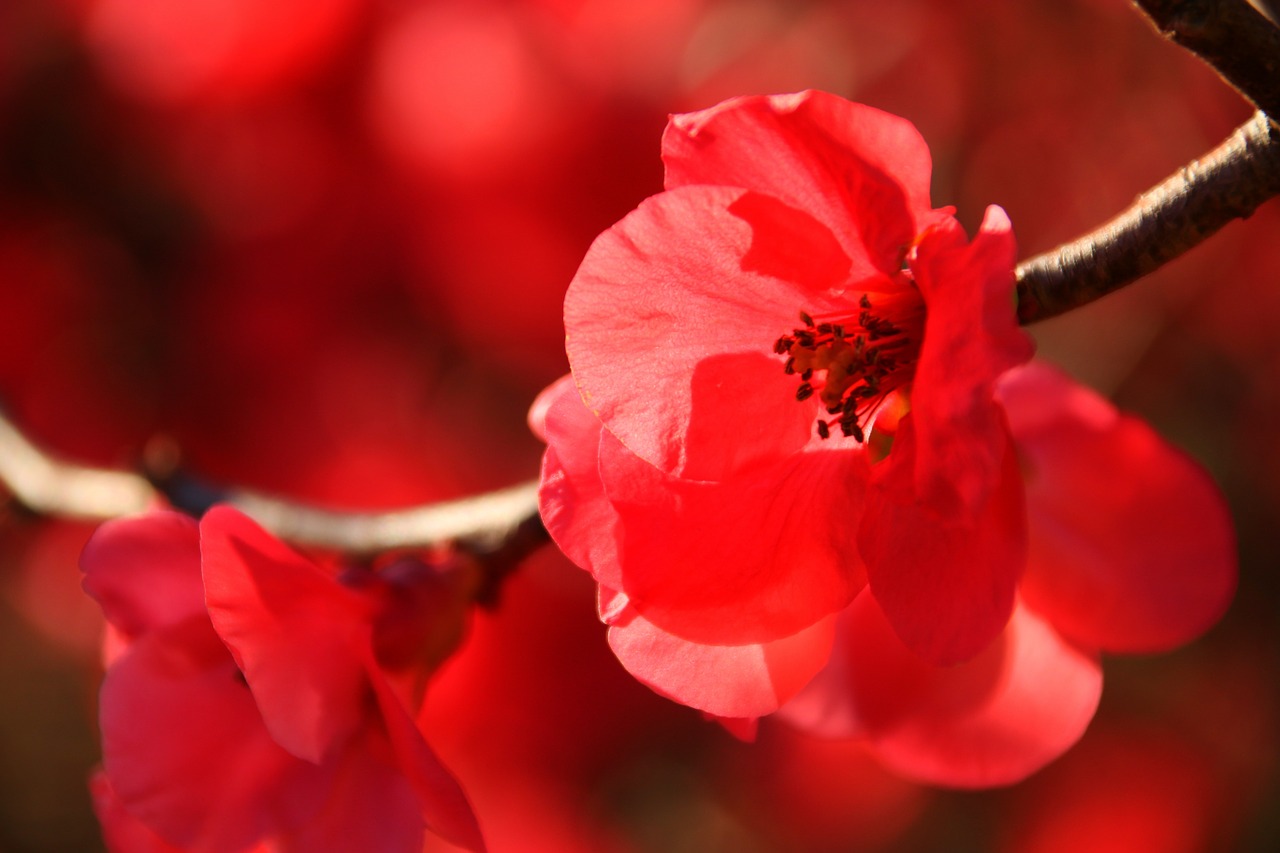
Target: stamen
853, 362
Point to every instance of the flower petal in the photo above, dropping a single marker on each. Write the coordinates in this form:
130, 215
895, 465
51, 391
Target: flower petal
971, 338
946, 581
671, 321
754, 558
862, 172
989, 721
442, 803
185, 748
993, 720
744, 681
295, 633
145, 571
371, 806
1131, 544
121, 830
571, 496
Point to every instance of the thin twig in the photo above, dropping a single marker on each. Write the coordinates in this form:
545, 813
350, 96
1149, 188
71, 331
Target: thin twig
1228, 183
484, 522
1233, 37
51, 487
492, 526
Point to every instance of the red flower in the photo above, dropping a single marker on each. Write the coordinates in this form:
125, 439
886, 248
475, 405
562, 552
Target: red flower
795, 257
728, 533
257, 705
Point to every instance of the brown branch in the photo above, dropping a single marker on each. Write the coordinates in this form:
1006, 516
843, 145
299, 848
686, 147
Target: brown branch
497, 528
50, 487
482, 522
1229, 182
1267, 8
1233, 37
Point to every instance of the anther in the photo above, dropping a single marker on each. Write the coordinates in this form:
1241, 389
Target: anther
852, 375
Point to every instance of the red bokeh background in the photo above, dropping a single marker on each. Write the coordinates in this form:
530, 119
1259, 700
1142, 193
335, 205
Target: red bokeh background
321, 248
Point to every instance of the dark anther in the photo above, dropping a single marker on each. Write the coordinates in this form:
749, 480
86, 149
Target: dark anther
823, 429
790, 367
850, 427
804, 392
865, 301
806, 319
783, 344
807, 375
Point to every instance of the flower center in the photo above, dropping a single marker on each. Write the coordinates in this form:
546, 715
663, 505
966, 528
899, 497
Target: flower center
853, 362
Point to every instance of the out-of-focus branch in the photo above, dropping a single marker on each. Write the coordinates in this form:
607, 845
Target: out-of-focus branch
1229, 182
1237, 40
1266, 7
482, 524
498, 528
51, 487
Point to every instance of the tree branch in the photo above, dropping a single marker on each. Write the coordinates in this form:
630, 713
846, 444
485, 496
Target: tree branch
50, 487
498, 528
1229, 182
1233, 37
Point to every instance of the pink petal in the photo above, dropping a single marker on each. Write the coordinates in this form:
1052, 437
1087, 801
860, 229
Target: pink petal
294, 631
145, 571
972, 337
754, 558
371, 805
121, 830
946, 581
542, 404
1132, 548
571, 496
826, 707
185, 748
862, 172
441, 801
726, 681
990, 721
672, 318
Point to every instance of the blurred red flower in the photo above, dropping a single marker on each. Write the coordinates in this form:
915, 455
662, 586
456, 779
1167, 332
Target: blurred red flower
266, 703
726, 533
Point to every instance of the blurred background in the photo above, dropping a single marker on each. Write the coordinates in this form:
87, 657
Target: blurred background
321, 246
